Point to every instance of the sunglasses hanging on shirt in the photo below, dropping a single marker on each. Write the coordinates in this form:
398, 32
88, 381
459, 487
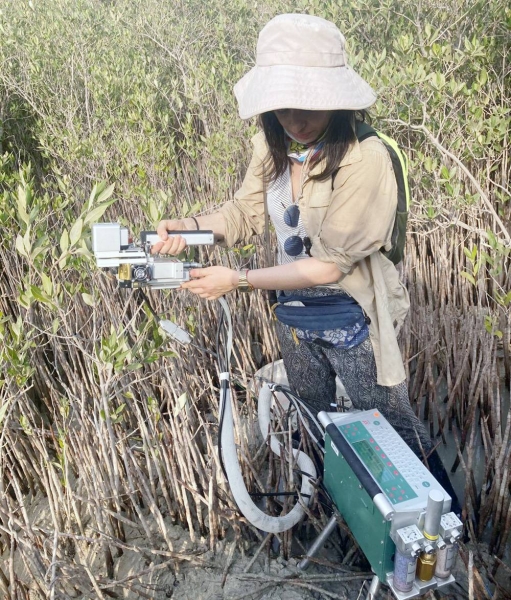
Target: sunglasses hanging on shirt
292, 215
294, 244
306, 154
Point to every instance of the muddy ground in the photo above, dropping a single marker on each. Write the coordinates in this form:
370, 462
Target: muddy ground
190, 571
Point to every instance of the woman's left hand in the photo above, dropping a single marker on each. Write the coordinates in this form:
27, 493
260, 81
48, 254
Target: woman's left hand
211, 282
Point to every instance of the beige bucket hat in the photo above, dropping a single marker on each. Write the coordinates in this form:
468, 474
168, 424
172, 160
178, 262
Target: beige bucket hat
301, 63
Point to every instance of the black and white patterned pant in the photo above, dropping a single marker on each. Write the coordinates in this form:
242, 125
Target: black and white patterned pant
311, 371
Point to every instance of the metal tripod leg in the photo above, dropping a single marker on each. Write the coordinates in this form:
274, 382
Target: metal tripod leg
374, 588
318, 543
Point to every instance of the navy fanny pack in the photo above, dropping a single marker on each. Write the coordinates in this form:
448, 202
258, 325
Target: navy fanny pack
336, 311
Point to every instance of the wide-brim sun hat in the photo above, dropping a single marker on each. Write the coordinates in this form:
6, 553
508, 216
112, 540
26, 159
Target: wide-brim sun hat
301, 63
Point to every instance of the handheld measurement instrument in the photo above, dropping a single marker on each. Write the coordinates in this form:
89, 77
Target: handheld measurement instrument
134, 265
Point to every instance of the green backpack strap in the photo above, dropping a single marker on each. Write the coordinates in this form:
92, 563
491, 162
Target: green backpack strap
400, 166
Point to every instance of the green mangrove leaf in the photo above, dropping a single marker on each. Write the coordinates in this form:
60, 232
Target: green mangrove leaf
3, 410
468, 277
64, 241
22, 204
96, 213
47, 284
20, 247
182, 401
40, 296
75, 232
106, 193
88, 299
154, 213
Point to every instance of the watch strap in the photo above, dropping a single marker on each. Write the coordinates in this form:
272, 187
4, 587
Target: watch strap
244, 284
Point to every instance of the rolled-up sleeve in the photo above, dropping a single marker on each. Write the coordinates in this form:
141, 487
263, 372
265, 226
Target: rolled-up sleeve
361, 212
244, 215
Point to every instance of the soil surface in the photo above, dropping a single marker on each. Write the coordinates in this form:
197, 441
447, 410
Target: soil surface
228, 573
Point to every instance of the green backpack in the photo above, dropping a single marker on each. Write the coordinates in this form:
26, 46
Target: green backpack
400, 165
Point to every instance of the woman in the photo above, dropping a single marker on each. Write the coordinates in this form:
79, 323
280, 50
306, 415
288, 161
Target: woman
332, 201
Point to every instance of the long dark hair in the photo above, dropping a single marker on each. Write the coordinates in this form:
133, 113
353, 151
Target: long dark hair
338, 137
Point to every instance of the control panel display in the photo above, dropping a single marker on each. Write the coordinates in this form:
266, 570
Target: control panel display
375, 466
382, 467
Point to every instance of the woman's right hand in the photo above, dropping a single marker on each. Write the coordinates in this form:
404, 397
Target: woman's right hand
170, 244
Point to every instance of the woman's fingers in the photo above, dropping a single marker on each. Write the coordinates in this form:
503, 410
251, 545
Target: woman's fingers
169, 244
205, 294
211, 282
169, 225
172, 245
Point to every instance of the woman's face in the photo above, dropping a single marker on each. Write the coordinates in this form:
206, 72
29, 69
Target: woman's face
305, 126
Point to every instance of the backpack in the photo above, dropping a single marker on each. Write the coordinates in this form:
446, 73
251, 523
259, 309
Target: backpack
400, 166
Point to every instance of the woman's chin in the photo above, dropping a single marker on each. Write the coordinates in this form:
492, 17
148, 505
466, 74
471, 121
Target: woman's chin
308, 139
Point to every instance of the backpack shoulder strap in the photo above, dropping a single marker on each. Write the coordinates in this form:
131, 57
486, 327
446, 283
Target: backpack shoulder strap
400, 166
362, 130
399, 162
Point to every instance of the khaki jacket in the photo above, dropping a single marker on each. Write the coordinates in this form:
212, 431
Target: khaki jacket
347, 225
